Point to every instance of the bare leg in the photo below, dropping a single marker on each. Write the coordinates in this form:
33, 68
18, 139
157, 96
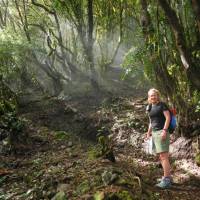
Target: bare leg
164, 159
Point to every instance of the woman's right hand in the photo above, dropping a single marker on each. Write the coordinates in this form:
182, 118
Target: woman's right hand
148, 135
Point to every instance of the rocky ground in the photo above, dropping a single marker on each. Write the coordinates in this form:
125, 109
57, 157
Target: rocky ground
60, 158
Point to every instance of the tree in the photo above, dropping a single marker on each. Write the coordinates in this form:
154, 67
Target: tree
170, 53
188, 60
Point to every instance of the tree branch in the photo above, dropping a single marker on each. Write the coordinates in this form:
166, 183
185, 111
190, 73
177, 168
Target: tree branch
178, 33
34, 2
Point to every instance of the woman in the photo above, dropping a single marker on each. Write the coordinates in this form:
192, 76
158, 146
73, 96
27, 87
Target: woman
159, 116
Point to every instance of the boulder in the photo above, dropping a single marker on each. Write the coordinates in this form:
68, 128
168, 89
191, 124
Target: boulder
182, 148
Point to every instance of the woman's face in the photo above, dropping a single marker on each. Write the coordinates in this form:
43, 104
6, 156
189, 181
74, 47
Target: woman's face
153, 97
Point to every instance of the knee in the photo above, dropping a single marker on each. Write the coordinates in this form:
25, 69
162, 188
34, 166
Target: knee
163, 156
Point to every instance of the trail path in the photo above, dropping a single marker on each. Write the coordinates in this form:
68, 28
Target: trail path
57, 158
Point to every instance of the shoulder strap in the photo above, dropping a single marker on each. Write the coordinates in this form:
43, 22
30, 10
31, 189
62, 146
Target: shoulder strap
148, 108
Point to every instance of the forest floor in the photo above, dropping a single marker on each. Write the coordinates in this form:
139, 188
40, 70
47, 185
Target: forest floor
58, 160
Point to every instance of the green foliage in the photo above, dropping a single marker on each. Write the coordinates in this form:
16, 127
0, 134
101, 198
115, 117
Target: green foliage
196, 101
160, 59
99, 196
6, 107
57, 32
137, 65
71, 9
102, 148
62, 135
197, 159
14, 51
83, 187
94, 152
11, 125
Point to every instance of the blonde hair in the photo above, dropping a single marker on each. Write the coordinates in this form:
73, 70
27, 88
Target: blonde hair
154, 91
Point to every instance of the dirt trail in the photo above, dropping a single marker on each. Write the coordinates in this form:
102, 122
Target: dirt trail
57, 158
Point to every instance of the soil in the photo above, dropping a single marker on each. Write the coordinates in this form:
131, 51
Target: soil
58, 154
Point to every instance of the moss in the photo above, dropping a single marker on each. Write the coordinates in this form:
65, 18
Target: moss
102, 149
197, 159
121, 195
60, 196
83, 187
61, 135
94, 152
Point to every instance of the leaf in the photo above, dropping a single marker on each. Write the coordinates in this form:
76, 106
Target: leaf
99, 196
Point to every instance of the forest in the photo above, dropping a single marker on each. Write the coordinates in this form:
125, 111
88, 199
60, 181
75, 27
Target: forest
74, 78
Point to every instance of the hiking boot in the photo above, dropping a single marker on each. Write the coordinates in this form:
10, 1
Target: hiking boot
164, 183
160, 179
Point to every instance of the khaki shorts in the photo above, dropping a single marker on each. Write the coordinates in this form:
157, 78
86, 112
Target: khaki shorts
160, 145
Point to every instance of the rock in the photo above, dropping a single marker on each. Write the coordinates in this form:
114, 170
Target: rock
63, 187
70, 110
62, 147
119, 138
60, 196
79, 118
108, 177
70, 144
121, 144
135, 139
182, 148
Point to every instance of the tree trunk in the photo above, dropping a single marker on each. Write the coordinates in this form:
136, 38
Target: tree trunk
145, 20
196, 8
94, 78
3, 14
192, 70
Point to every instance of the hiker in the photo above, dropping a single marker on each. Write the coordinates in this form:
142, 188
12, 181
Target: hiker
159, 116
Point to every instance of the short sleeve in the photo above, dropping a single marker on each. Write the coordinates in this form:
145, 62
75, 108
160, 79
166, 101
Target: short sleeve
164, 106
148, 108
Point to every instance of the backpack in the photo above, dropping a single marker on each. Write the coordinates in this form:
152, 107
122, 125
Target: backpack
173, 121
172, 124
